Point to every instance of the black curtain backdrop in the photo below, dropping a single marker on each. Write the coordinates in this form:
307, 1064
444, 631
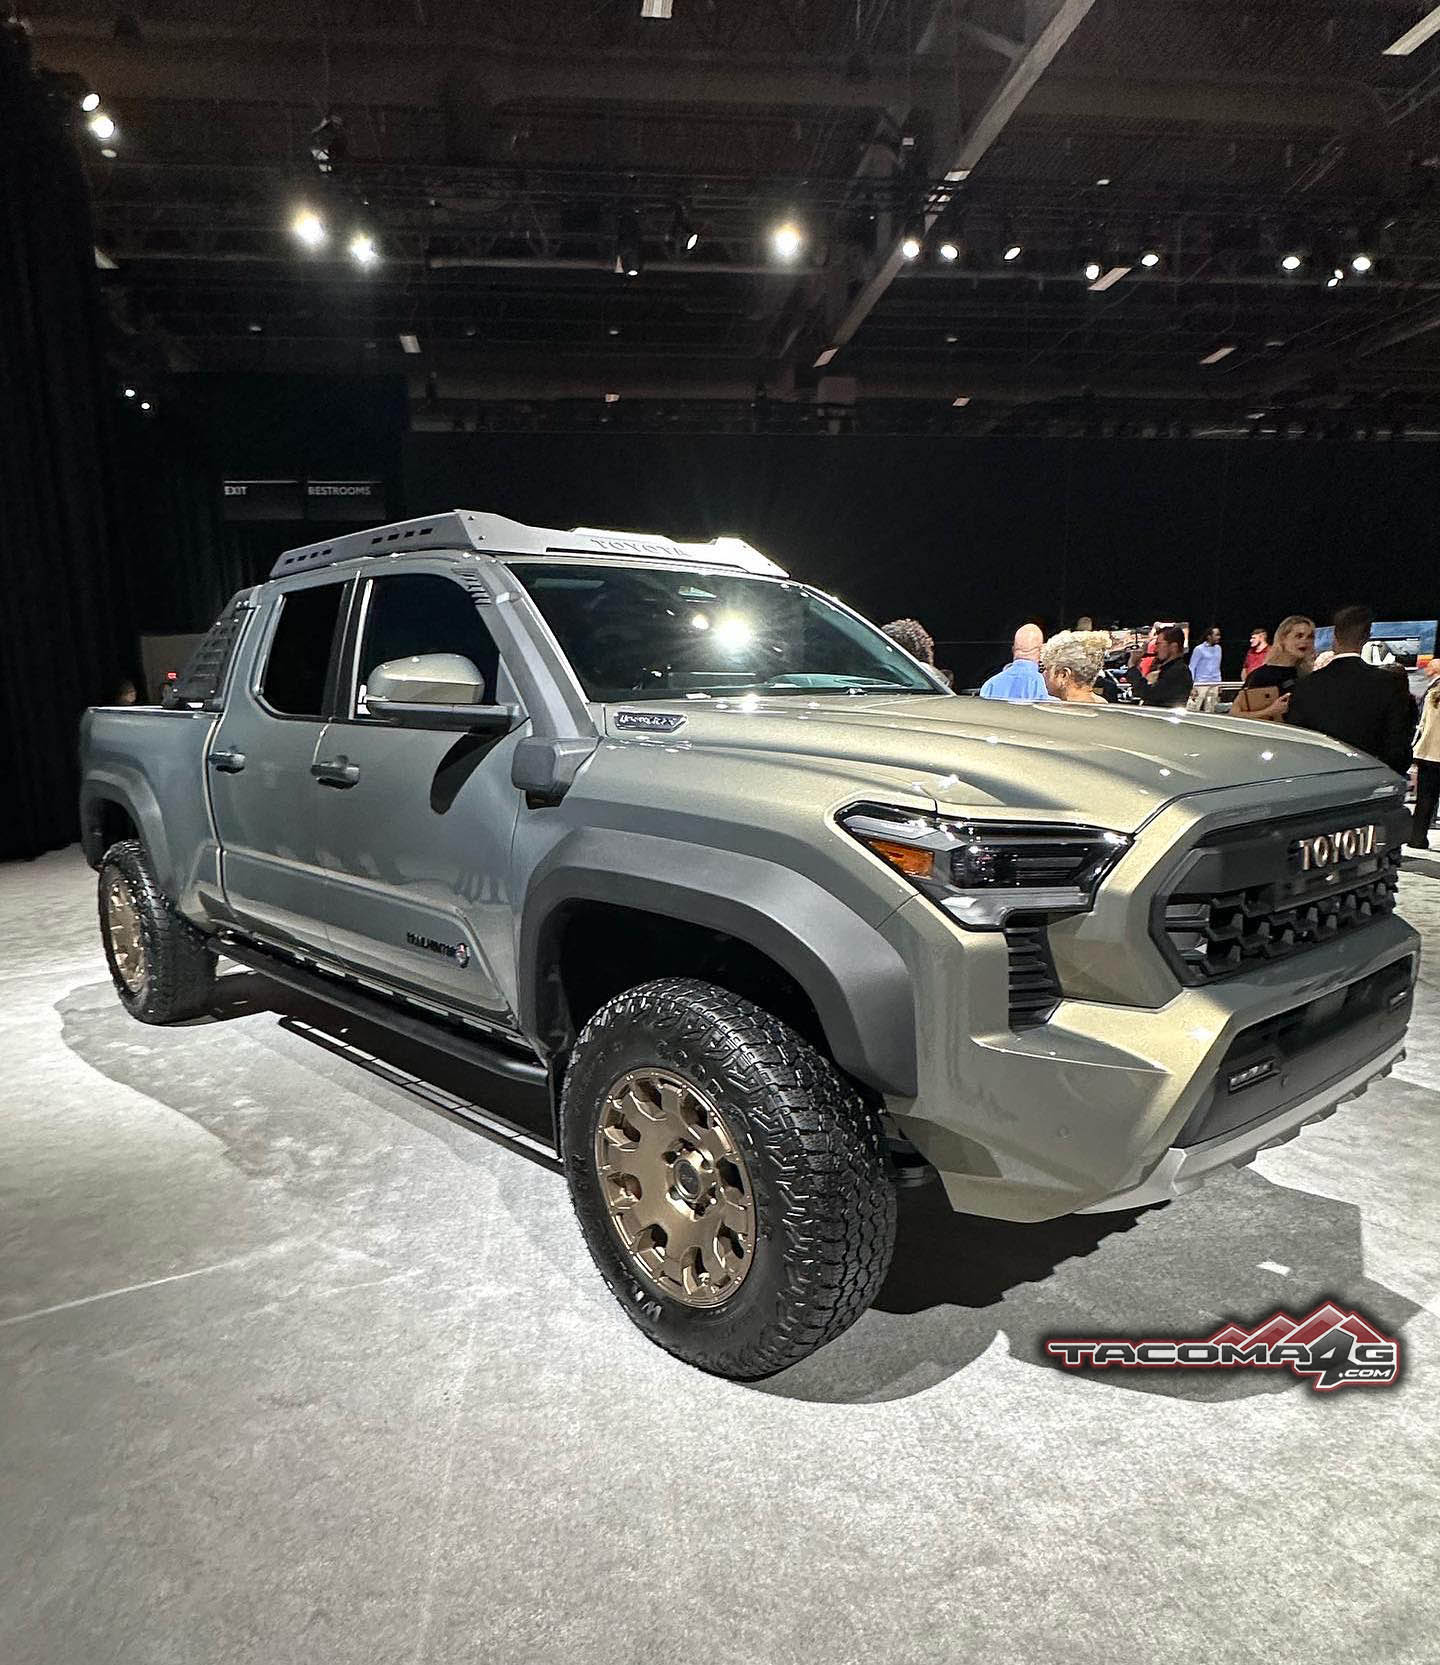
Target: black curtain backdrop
64, 619
975, 536
185, 559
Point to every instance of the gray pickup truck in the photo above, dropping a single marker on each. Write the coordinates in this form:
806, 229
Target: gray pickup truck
740, 916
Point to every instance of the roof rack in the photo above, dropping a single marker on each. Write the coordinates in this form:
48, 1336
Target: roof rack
486, 534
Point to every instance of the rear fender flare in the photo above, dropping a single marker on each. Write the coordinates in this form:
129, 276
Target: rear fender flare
131, 792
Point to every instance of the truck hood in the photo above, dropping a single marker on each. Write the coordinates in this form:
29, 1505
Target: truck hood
1120, 765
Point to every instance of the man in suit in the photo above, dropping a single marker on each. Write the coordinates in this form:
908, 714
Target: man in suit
1173, 682
1355, 703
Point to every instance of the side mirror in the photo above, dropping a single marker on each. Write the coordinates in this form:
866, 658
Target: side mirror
434, 690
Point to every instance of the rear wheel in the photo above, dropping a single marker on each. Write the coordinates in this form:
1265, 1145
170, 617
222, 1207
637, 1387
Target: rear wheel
731, 1184
162, 969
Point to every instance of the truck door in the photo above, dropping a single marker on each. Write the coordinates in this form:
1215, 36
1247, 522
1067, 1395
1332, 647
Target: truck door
259, 766
416, 824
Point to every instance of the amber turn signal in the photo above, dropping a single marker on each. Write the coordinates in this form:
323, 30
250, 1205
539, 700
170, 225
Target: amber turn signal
915, 864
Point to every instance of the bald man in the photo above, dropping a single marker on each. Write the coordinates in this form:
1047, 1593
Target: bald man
1021, 678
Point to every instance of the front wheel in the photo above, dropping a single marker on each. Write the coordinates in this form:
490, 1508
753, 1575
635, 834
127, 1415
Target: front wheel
163, 971
731, 1184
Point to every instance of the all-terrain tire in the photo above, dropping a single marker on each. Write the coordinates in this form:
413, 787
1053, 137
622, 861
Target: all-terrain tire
168, 974
813, 1151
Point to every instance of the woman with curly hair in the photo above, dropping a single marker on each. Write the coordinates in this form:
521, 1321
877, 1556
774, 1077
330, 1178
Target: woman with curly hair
1071, 662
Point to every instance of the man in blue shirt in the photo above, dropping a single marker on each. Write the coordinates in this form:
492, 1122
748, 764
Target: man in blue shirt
1021, 678
1205, 669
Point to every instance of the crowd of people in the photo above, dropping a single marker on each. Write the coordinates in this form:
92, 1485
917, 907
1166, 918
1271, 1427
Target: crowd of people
1341, 693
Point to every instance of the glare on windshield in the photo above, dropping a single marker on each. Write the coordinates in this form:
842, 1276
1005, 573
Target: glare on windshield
655, 633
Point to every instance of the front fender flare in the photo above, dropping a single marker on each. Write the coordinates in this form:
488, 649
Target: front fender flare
857, 982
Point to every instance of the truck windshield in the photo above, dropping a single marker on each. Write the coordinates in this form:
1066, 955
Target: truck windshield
654, 633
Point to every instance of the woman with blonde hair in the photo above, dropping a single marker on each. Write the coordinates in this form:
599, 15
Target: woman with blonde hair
1266, 693
1071, 661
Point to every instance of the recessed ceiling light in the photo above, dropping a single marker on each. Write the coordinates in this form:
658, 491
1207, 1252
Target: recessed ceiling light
410, 343
101, 125
1219, 353
1092, 269
950, 340
825, 358
960, 402
1014, 252
91, 101
1103, 181
1111, 278
949, 250
910, 248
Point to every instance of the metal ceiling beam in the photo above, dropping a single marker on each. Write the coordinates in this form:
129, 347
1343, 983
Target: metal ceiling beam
410, 69
988, 125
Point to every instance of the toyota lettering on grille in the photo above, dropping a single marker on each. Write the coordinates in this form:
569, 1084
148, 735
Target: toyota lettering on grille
1333, 849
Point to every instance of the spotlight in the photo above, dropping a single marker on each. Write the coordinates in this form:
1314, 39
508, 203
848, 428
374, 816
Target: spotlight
329, 144
629, 247
1092, 270
787, 240
309, 228
949, 250
1361, 262
363, 250
1150, 258
1292, 262
144, 404
683, 236
910, 246
101, 125
129, 392
91, 101
1013, 252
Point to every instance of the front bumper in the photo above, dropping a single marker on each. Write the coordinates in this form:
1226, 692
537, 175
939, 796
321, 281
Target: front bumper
1086, 1110
1182, 1168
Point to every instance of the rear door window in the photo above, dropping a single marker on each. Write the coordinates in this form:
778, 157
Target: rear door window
297, 668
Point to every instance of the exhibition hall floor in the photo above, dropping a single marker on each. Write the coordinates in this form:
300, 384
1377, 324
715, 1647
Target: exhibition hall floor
295, 1368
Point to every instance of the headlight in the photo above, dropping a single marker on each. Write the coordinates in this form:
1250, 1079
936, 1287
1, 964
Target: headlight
983, 871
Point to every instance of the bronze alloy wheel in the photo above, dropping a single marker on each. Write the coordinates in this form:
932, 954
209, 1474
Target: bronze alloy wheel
127, 941
675, 1187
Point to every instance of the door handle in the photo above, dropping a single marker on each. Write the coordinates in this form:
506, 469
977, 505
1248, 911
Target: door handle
228, 762
336, 771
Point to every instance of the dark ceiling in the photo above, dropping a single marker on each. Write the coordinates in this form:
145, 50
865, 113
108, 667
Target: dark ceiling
494, 152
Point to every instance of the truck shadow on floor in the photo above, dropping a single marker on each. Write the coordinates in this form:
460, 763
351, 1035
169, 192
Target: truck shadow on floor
1241, 1247
960, 1288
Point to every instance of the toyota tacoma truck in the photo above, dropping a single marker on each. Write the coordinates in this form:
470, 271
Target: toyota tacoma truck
741, 918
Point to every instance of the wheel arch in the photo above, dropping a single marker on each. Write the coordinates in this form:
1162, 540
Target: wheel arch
114, 806
855, 982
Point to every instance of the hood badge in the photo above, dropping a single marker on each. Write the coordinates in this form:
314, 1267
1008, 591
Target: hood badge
649, 722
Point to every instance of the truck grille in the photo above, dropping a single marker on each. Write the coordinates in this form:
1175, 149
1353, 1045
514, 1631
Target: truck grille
1243, 898
1034, 987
